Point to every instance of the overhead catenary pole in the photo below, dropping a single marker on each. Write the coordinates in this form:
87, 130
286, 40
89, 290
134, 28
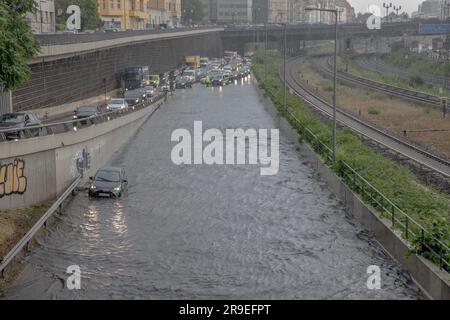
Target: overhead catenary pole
284, 72
336, 18
265, 54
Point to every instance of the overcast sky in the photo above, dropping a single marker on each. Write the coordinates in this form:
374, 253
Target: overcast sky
408, 5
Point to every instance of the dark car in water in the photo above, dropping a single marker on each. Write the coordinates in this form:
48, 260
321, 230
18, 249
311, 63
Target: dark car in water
84, 112
183, 82
218, 80
19, 120
108, 182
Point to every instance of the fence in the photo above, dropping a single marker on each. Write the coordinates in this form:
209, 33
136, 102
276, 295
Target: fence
5, 102
429, 245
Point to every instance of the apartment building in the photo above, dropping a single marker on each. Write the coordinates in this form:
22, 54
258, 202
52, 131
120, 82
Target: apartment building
124, 14
43, 19
164, 12
234, 11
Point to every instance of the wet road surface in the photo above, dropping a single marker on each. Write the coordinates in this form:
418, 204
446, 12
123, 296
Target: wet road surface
210, 232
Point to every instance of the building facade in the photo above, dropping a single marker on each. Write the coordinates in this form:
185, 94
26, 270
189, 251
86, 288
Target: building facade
124, 14
234, 11
44, 19
165, 13
430, 9
293, 11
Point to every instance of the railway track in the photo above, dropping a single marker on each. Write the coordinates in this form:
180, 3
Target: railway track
374, 63
380, 136
323, 65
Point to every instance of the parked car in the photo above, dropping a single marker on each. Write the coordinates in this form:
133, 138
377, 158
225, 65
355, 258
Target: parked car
19, 120
86, 112
108, 182
116, 104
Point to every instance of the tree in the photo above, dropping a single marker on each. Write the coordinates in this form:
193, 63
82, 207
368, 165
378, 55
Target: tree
90, 19
17, 43
191, 10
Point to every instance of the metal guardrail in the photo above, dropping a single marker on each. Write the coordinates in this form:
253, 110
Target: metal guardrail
57, 205
73, 125
371, 195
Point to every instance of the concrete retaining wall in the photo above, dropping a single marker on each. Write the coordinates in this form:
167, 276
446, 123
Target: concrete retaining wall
435, 283
38, 169
64, 80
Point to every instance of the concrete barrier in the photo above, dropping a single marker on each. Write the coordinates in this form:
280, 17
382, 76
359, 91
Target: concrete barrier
38, 169
435, 283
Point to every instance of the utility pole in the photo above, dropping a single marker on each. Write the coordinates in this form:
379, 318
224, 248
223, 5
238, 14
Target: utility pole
397, 9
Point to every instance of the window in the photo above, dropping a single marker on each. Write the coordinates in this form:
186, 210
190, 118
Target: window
118, 4
104, 4
111, 4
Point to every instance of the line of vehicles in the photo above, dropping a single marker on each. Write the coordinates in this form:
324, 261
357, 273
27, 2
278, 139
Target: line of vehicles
139, 85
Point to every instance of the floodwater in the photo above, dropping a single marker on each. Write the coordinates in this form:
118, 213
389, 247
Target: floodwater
210, 232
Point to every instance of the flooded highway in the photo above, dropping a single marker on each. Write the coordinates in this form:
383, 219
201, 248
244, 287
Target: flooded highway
210, 232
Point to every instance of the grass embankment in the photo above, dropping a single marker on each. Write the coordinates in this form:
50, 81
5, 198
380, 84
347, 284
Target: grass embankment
409, 60
426, 205
416, 84
14, 224
393, 114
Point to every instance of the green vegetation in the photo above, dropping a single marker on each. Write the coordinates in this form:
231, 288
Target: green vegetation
415, 83
17, 43
427, 206
409, 60
90, 19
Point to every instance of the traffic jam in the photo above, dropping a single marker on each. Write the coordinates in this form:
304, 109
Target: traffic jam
139, 85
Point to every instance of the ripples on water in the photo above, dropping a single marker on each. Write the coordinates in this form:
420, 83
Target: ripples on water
210, 231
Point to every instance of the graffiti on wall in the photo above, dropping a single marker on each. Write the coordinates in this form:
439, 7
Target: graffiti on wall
12, 178
81, 162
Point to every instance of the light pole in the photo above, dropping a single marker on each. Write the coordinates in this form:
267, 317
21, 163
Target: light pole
284, 67
336, 18
387, 7
397, 9
265, 53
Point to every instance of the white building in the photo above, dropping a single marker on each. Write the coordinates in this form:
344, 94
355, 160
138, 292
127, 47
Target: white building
43, 20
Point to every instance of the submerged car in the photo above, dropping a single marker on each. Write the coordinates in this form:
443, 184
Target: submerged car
218, 80
183, 82
108, 182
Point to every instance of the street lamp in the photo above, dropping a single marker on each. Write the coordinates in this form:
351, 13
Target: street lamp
387, 7
336, 17
397, 9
